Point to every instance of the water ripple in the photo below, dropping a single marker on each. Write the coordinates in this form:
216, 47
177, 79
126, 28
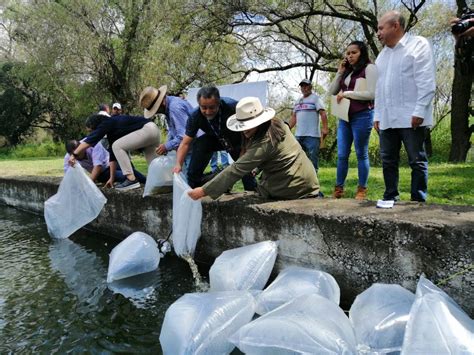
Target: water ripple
54, 297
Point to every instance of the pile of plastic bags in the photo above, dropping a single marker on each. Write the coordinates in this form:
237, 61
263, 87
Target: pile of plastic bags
300, 313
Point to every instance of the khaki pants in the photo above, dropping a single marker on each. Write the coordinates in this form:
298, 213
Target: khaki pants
148, 138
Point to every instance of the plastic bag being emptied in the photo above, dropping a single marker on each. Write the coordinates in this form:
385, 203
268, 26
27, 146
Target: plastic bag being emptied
187, 216
77, 203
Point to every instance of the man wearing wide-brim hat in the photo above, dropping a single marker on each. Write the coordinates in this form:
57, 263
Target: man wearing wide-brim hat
176, 110
287, 172
210, 118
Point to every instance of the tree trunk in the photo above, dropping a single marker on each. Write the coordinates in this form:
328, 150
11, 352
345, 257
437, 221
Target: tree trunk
461, 95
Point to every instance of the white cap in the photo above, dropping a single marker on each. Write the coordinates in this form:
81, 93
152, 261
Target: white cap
117, 105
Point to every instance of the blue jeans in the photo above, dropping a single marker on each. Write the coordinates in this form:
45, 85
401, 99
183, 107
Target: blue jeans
203, 147
215, 160
357, 130
104, 176
310, 146
390, 144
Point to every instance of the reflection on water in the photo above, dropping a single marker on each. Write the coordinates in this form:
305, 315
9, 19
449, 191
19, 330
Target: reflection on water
139, 289
54, 296
82, 271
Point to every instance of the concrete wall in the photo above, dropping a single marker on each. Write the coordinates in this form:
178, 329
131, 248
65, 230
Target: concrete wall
354, 241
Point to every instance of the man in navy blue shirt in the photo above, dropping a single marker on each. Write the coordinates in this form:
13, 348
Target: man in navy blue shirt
211, 117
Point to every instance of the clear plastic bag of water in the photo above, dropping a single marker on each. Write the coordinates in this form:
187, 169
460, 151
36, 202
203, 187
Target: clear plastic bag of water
200, 323
437, 325
77, 203
136, 254
379, 316
296, 281
160, 174
187, 216
244, 268
310, 324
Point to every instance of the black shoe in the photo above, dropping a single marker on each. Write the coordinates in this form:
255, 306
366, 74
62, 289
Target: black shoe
128, 185
394, 199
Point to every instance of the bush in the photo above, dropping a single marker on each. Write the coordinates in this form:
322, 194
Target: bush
45, 149
440, 140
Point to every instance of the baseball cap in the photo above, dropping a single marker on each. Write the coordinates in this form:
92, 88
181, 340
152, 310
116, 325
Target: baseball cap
305, 82
117, 106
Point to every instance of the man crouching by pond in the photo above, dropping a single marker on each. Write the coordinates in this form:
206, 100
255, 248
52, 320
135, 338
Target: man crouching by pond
210, 117
287, 172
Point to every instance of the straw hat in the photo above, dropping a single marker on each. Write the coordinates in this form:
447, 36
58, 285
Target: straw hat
249, 114
151, 99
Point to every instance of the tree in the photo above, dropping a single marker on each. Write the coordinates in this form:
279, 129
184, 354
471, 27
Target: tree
280, 35
461, 95
83, 52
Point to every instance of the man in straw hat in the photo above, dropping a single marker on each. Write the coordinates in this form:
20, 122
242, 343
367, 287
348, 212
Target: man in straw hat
211, 118
287, 172
176, 110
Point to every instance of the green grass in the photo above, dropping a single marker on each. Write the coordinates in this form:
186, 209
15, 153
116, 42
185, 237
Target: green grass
451, 184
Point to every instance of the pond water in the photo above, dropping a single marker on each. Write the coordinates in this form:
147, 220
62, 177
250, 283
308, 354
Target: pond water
54, 297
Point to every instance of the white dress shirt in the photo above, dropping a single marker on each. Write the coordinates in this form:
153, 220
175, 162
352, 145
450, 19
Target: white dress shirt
406, 83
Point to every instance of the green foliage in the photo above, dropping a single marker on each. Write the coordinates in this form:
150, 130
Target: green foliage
42, 150
17, 106
80, 53
440, 140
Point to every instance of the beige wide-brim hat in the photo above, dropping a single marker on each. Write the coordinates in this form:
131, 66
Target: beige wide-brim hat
249, 114
151, 99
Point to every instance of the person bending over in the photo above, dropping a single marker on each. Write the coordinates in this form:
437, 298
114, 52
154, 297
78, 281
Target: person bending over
125, 133
211, 118
287, 172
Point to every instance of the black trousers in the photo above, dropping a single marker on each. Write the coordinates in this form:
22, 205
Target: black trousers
203, 148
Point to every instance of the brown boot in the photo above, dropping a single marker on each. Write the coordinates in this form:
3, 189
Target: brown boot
361, 193
338, 192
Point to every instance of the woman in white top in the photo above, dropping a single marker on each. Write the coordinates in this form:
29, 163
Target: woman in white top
355, 80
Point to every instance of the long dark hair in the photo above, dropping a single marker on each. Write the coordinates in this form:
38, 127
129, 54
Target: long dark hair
363, 59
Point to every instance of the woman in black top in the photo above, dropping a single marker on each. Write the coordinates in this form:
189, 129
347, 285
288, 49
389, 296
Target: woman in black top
124, 133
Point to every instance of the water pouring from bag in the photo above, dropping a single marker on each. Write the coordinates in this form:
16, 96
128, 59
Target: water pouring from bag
201, 286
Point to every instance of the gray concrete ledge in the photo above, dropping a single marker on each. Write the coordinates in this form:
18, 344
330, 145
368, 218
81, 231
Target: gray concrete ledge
354, 241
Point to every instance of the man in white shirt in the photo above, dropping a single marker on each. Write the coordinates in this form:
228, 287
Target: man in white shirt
403, 103
305, 116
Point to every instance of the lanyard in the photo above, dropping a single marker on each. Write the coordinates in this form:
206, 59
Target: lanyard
217, 133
